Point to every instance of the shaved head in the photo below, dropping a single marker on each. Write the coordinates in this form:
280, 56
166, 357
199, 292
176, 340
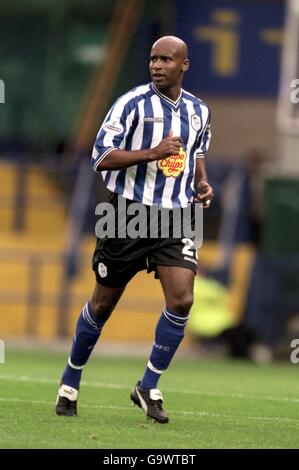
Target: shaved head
168, 63
173, 43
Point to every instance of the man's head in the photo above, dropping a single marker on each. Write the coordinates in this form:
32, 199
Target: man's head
168, 62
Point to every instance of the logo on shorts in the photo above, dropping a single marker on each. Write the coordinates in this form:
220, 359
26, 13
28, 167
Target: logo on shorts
174, 165
196, 122
102, 268
187, 258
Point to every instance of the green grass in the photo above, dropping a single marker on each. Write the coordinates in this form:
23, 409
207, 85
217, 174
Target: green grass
211, 404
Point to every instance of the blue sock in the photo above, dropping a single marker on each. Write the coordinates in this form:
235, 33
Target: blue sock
169, 334
87, 333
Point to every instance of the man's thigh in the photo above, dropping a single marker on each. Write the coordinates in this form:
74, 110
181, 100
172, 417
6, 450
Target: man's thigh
116, 261
177, 284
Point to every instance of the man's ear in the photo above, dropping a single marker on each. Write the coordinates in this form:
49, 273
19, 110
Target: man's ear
185, 65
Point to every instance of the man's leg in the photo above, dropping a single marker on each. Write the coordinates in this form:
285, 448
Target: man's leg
89, 326
177, 285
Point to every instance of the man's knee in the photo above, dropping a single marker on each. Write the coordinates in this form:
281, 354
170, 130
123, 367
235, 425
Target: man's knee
104, 300
181, 304
101, 308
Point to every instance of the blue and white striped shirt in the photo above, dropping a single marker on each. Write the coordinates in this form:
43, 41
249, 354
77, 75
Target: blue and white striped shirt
140, 119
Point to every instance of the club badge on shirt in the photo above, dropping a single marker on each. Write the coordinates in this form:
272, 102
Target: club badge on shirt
174, 165
196, 122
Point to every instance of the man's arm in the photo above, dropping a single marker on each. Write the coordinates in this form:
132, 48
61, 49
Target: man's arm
203, 191
117, 159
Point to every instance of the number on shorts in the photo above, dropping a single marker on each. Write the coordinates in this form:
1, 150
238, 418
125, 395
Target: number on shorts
189, 245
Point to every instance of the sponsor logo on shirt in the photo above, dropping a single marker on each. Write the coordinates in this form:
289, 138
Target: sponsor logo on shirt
114, 127
153, 119
174, 165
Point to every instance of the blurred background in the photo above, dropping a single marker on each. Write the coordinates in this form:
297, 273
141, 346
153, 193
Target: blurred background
62, 65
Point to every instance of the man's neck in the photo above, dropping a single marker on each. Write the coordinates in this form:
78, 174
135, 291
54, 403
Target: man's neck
172, 93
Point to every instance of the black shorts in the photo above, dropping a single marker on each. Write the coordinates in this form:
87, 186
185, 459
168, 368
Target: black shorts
116, 260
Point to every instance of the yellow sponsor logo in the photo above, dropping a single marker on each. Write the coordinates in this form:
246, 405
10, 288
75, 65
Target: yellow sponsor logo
173, 165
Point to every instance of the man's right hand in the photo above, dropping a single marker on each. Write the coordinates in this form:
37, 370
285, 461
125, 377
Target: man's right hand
167, 147
119, 159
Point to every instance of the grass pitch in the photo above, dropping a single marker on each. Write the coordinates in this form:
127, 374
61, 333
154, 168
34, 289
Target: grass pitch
211, 404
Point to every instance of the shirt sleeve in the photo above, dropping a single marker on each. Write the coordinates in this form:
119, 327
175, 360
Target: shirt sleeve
204, 139
113, 132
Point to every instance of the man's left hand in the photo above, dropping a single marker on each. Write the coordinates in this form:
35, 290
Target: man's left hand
204, 194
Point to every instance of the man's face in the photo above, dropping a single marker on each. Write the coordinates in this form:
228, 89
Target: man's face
167, 66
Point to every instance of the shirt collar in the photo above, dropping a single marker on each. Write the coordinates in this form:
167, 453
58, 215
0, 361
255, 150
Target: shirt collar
173, 103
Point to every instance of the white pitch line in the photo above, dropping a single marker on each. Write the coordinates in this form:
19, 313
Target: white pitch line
207, 414
46, 380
